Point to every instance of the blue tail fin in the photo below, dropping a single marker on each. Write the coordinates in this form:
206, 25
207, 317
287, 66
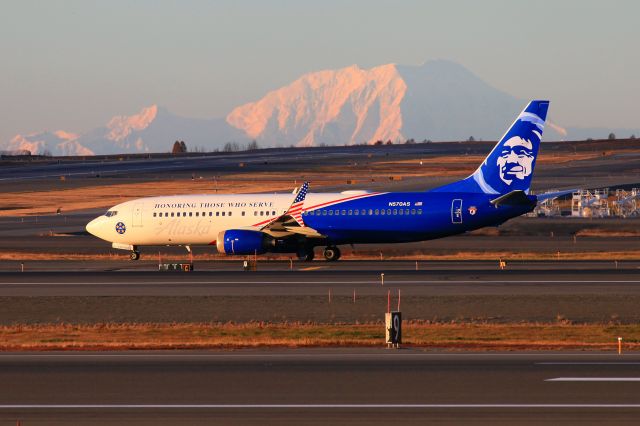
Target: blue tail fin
509, 166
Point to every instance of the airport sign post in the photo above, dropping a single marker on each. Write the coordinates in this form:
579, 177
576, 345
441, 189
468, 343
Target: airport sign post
393, 325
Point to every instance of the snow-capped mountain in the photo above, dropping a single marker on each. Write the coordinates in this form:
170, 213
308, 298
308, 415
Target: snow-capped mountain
153, 129
350, 105
439, 100
54, 143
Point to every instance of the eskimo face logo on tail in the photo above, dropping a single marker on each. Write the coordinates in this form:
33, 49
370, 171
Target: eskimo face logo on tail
516, 160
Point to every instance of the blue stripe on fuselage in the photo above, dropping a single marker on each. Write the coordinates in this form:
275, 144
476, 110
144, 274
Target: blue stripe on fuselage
429, 216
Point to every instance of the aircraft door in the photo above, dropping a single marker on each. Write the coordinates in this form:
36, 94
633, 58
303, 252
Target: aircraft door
137, 215
456, 211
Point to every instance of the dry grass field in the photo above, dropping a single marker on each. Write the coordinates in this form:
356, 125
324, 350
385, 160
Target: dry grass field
230, 336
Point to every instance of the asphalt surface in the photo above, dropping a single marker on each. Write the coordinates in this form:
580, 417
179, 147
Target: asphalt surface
366, 278
580, 293
320, 386
90, 167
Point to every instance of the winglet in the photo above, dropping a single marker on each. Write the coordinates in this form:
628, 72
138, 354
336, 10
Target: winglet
295, 210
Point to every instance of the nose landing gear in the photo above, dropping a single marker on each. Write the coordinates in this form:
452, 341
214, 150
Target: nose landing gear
331, 253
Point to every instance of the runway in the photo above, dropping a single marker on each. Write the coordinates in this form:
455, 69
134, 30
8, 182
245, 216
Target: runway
365, 277
318, 386
583, 292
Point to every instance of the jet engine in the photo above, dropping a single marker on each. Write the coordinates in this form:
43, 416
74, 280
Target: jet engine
242, 241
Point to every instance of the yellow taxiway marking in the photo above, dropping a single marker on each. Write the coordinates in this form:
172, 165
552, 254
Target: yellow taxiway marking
313, 268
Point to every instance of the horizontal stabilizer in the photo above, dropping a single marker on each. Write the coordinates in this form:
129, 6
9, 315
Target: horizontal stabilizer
551, 195
513, 198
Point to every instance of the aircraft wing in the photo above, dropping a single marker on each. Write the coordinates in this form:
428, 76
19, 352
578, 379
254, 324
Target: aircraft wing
291, 221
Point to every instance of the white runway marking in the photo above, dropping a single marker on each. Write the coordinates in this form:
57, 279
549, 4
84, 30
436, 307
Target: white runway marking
587, 363
308, 406
372, 281
594, 379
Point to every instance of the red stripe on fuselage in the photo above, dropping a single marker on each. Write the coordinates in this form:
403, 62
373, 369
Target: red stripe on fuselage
324, 204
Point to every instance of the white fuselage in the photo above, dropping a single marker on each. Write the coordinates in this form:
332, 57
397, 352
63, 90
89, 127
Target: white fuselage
192, 219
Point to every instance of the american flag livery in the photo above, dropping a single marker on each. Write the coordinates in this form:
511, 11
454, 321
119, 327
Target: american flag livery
295, 211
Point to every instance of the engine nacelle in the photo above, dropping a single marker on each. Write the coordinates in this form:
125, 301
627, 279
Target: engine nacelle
241, 241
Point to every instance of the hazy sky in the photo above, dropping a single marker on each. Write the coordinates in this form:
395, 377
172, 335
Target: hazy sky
73, 64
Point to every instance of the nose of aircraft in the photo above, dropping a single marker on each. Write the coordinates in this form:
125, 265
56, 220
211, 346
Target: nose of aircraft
93, 226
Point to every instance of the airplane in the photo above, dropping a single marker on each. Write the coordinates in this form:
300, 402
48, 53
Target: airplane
252, 224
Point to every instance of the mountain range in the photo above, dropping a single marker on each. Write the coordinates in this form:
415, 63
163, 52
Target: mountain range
439, 101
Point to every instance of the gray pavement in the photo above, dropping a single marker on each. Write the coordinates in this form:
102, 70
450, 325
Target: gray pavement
365, 277
583, 292
318, 386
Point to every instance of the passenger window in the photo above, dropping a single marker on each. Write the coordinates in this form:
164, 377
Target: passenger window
330, 212
400, 212
210, 214
406, 211
377, 212
197, 214
350, 212
217, 213
166, 214
154, 214
324, 212
261, 213
344, 212
413, 211
223, 213
267, 213
230, 213
395, 212
171, 214
190, 214
370, 212
255, 213
419, 211
273, 213
242, 212
382, 212
388, 211
356, 212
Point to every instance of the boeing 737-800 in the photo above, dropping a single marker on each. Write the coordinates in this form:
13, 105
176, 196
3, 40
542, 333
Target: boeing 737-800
296, 223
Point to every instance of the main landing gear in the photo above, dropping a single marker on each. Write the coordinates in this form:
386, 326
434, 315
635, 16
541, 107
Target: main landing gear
134, 255
331, 253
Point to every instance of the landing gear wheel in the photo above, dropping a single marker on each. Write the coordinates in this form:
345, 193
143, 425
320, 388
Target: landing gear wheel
331, 253
135, 255
306, 255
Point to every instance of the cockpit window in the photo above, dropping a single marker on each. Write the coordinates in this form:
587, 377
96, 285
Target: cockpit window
111, 213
